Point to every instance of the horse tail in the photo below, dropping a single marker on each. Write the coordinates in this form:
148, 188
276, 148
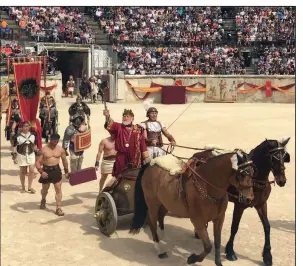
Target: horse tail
140, 211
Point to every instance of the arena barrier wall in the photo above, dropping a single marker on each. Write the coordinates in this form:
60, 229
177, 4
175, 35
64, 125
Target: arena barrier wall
130, 88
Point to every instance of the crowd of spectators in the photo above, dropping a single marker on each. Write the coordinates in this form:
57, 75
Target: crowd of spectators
53, 24
181, 60
5, 31
184, 26
265, 24
276, 60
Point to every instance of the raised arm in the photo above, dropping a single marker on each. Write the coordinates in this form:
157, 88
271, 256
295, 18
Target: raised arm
110, 125
98, 157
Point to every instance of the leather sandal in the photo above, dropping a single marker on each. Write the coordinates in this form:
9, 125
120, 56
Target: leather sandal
31, 190
59, 212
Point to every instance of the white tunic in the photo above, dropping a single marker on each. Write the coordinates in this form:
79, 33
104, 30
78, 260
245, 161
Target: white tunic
27, 159
154, 152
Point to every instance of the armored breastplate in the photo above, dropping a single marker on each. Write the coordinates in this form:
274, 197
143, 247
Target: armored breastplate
27, 147
154, 136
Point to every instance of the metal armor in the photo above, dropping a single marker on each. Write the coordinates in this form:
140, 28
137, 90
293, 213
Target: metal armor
25, 148
79, 110
69, 132
151, 135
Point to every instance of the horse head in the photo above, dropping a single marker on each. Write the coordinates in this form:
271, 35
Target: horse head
278, 156
245, 170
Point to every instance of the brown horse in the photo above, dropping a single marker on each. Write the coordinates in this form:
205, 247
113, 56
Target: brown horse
198, 194
270, 155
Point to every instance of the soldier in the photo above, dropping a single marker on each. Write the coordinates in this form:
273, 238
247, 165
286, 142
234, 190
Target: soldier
79, 108
25, 146
153, 130
13, 118
76, 158
70, 86
48, 115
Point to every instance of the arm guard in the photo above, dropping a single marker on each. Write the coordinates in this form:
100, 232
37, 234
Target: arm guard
69, 132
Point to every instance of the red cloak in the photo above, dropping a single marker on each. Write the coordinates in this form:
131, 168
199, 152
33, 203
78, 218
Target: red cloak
129, 144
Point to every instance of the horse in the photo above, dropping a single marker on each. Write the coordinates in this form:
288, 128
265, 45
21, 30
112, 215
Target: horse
199, 194
269, 156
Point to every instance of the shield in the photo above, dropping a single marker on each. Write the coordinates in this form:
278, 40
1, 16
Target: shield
82, 141
82, 176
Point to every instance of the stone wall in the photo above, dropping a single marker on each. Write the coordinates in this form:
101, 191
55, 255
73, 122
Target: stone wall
125, 94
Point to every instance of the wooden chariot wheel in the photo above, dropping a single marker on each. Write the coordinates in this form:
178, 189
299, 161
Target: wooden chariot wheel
106, 213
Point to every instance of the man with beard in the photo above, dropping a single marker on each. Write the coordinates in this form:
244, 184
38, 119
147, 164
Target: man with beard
79, 108
48, 115
76, 158
129, 142
153, 130
48, 166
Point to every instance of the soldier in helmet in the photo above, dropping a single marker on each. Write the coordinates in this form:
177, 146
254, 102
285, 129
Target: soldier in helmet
13, 122
48, 115
153, 130
79, 108
76, 158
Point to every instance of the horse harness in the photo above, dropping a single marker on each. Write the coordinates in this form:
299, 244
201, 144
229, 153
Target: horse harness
259, 184
243, 168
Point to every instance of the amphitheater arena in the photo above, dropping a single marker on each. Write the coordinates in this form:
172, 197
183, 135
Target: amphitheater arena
232, 111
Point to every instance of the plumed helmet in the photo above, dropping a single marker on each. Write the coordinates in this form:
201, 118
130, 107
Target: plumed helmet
128, 112
151, 109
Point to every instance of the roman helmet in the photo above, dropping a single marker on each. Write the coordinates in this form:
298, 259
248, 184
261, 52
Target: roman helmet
151, 109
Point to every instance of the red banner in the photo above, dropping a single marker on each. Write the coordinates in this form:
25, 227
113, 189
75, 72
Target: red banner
27, 78
268, 91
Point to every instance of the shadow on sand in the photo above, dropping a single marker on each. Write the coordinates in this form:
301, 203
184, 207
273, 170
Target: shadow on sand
11, 172
286, 226
10, 187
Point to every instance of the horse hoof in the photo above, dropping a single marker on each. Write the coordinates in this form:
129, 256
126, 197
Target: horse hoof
231, 257
162, 255
193, 258
197, 236
267, 261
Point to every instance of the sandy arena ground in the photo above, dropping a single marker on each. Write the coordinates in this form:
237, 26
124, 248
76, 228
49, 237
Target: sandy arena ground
31, 236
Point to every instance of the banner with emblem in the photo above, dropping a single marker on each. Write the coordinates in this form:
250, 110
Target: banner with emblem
27, 78
82, 141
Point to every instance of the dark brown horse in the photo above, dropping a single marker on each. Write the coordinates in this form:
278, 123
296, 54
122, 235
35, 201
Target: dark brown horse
270, 155
198, 194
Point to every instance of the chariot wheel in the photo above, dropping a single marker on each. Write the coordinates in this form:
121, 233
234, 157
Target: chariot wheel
106, 213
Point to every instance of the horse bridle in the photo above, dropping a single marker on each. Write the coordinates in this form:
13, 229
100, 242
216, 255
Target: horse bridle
242, 168
272, 154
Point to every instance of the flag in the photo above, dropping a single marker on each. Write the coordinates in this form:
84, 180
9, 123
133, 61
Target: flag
268, 91
27, 78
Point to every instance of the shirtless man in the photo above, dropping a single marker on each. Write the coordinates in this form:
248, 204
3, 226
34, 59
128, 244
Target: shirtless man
51, 172
107, 146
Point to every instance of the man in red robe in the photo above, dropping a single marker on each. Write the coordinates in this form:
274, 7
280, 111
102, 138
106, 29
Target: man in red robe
129, 142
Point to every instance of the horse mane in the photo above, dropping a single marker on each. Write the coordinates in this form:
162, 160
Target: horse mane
260, 159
